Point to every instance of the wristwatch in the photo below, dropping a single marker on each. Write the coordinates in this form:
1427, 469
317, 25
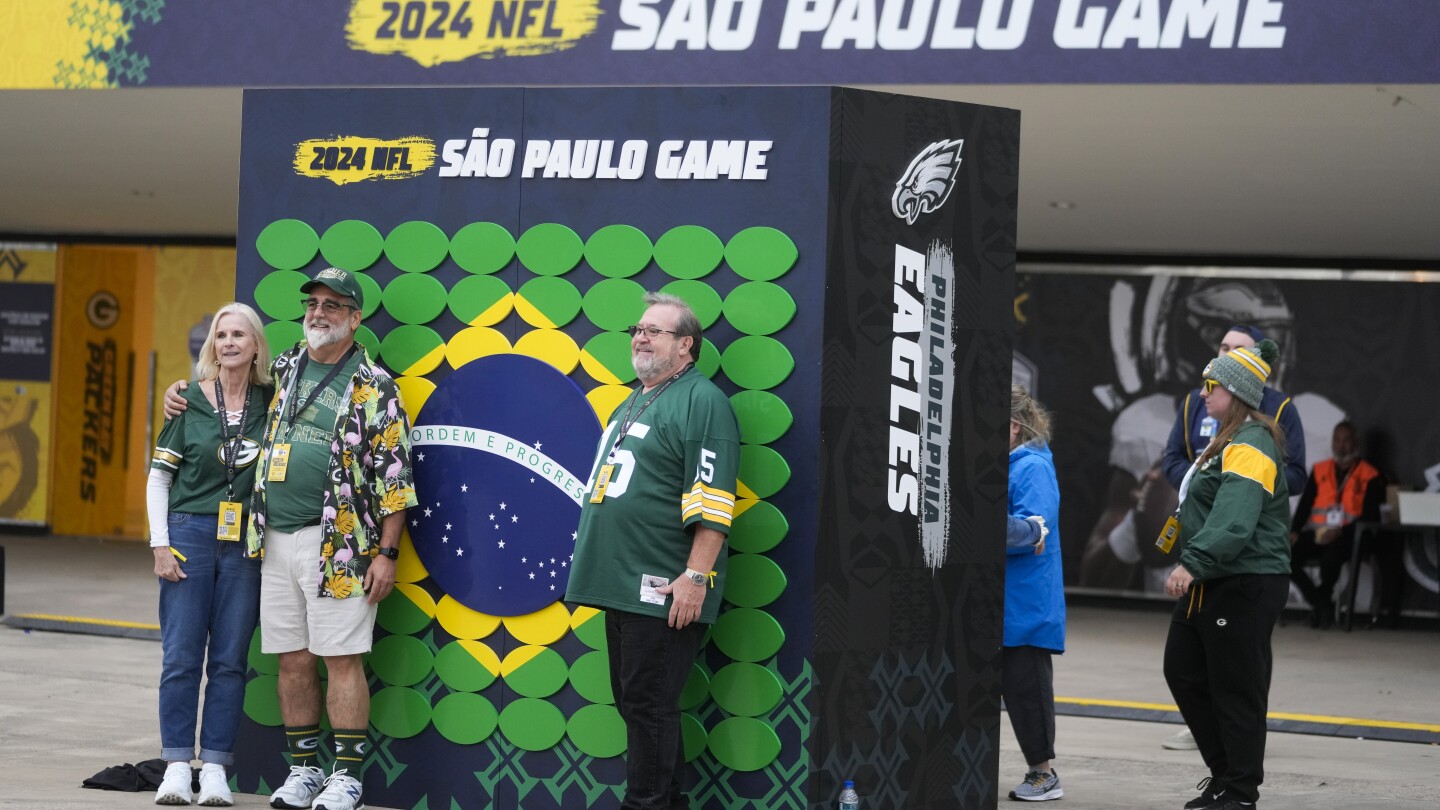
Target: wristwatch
694, 576
392, 553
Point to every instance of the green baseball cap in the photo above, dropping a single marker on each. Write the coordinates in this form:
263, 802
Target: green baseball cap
341, 281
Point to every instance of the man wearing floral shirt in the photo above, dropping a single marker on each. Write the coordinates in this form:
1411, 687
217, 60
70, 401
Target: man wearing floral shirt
331, 489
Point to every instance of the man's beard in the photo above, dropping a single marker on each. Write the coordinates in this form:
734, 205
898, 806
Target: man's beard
320, 338
652, 366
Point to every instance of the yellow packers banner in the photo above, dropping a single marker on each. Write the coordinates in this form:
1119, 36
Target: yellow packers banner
27, 329
191, 283
105, 313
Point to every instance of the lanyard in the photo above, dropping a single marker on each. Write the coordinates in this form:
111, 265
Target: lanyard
300, 372
626, 422
230, 451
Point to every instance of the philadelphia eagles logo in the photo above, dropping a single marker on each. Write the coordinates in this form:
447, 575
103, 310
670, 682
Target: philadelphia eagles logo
928, 182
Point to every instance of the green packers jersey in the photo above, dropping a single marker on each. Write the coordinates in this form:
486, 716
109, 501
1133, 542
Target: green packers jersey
189, 449
296, 502
674, 470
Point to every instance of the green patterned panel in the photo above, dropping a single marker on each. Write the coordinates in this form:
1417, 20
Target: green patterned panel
480, 300
370, 291
406, 611
532, 724
482, 248
763, 470
401, 660
757, 362
262, 662
744, 743
618, 251
416, 247
747, 634
366, 337
465, 719
590, 677
746, 690
696, 689
693, 732
606, 358
761, 253
534, 671
689, 251
615, 304
758, 529
549, 249
460, 670
261, 703
763, 417
759, 308
278, 295
414, 298
709, 361
701, 297
412, 350
548, 302
399, 711
753, 581
282, 335
287, 244
597, 730
351, 244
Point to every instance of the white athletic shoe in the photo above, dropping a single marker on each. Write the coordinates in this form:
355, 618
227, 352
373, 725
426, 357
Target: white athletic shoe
342, 792
214, 787
175, 787
1184, 741
300, 788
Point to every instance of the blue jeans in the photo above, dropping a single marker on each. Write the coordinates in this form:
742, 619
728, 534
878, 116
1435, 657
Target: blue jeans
206, 620
649, 664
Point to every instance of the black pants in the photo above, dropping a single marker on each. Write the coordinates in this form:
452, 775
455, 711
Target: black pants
649, 664
1218, 663
1027, 680
1332, 560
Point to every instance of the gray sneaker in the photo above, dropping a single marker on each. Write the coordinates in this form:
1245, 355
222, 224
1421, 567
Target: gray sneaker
300, 789
1038, 787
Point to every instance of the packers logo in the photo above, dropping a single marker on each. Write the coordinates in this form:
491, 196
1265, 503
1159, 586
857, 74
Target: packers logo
249, 451
308, 743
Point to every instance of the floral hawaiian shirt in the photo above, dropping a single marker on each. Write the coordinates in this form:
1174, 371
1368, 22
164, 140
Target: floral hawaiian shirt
370, 473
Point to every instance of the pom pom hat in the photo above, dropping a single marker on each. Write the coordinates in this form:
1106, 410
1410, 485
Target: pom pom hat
1243, 371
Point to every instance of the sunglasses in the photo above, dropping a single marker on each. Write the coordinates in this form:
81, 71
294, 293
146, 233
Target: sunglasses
651, 332
1209, 385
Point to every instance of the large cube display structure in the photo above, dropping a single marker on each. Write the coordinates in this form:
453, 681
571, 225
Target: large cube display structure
850, 255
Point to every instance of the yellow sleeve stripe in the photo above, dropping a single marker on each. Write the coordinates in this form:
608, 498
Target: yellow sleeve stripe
713, 515
167, 457
708, 502
1248, 462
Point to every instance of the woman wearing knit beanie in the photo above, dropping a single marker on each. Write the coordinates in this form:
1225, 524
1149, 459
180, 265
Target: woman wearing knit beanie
1232, 580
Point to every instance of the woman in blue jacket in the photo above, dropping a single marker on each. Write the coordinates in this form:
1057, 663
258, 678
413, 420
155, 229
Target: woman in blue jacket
1034, 597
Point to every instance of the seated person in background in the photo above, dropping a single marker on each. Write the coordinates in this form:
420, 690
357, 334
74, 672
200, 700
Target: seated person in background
1340, 491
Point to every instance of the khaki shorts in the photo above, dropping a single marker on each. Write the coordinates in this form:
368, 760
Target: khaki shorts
293, 615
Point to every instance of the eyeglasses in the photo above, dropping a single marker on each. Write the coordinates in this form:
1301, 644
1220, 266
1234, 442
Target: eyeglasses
650, 331
330, 307
1209, 385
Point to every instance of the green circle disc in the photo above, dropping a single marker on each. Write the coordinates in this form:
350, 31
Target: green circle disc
758, 529
709, 360
351, 244
534, 671
606, 358
744, 743
532, 724
597, 730
282, 335
261, 703
693, 732
414, 298
746, 690
370, 292
399, 711
763, 417
417, 247
689, 251
412, 350
465, 719
406, 611
590, 676
287, 244
615, 304
482, 248
401, 660
763, 470
549, 249
278, 295
480, 300
547, 302
761, 253
696, 689
366, 337
759, 308
461, 668
701, 297
618, 251
747, 634
757, 362
588, 625
753, 581
262, 662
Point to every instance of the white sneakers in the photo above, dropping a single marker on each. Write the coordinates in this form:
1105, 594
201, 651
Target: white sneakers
300, 788
1183, 741
175, 786
342, 792
214, 787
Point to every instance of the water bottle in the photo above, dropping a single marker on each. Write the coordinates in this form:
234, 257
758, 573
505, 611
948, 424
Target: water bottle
849, 799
